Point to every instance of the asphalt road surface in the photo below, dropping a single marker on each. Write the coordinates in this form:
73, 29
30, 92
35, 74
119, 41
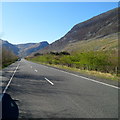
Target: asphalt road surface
46, 92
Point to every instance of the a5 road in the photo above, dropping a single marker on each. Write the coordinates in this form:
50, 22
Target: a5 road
46, 92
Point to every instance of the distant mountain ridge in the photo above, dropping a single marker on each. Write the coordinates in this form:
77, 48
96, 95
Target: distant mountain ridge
94, 28
10, 46
32, 47
103, 27
23, 50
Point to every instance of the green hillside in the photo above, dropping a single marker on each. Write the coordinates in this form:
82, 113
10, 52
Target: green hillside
89, 46
106, 43
100, 55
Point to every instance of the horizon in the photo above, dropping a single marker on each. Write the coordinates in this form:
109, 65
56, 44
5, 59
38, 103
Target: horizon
23, 43
57, 20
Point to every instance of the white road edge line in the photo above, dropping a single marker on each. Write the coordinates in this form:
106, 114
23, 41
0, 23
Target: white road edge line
36, 70
89, 79
49, 81
10, 79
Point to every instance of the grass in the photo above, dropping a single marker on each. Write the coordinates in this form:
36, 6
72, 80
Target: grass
105, 43
87, 72
7, 64
7, 57
99, 59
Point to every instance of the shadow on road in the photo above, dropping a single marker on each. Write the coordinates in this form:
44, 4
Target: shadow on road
9, 108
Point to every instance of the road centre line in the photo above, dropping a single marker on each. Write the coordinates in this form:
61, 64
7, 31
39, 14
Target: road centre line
36, 70
89, 79
49, 81
10, 79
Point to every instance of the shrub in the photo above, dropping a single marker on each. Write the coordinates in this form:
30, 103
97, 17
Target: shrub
37, 54
92, 60
8, 57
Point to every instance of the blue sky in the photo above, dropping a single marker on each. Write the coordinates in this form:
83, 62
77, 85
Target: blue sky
24, 22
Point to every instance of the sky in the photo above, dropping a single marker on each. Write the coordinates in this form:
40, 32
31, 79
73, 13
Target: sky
33, 22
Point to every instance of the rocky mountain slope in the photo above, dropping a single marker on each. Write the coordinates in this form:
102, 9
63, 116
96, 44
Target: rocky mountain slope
23, 50
9, 46
27, 49
97, 27
101, 30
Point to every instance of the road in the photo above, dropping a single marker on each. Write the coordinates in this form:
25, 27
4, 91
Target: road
46, 92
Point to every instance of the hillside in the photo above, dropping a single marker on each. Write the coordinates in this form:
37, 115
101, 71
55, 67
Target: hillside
23, 50
106, 43
9, 46
95, 29
32, 48
26, 45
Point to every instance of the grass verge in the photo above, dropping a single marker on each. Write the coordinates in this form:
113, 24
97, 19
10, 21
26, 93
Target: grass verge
87, 72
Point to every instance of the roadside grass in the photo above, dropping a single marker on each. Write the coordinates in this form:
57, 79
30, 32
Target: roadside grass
7, 58
100, 59
87, 72
7, 64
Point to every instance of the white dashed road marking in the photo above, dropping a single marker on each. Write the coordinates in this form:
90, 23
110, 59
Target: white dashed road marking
92, 80
49, 81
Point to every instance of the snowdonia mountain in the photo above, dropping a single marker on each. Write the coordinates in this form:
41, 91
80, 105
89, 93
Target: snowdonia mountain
23, 50
97, 28
97, 33
27, 49
9, 46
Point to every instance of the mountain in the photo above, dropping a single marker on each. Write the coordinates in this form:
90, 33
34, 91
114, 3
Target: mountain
97, 33
26, 45
95, 28
23, 50
27, 49
9, 46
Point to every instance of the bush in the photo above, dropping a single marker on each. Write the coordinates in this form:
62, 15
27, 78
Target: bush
37, 54
60, 53
8, 57
93, 60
